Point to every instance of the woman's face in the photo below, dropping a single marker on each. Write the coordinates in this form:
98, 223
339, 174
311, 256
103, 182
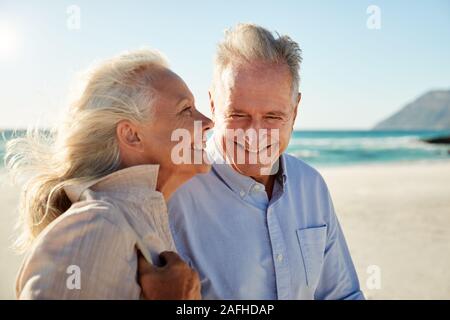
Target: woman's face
175, 136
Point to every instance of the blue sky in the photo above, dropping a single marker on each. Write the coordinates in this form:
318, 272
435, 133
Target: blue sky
352, 76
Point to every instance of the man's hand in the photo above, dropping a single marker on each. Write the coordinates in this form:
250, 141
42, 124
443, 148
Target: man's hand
175, 280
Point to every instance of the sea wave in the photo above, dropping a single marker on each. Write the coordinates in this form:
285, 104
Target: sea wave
337, 147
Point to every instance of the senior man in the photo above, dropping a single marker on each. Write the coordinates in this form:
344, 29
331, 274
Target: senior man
253, 234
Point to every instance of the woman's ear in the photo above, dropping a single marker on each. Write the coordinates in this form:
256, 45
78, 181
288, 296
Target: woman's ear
128, 136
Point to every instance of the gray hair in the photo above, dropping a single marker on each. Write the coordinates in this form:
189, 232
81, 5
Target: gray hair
84, 146
249, 42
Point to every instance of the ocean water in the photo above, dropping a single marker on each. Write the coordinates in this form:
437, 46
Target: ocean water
337, 148
324, 148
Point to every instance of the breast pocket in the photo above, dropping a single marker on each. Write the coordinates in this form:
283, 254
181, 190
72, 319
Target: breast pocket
312, 245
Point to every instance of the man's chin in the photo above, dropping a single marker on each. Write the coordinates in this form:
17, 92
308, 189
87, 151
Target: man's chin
252, 170
203, 168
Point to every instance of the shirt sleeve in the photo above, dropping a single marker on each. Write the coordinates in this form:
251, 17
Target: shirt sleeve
338, 280
83, 255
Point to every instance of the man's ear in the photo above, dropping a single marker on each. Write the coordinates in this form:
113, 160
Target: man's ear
211, 104
299, 97
128, 136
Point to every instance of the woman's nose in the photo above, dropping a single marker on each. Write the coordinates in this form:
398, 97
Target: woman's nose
207, 123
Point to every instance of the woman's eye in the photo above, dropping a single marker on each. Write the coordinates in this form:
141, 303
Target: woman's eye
187, 110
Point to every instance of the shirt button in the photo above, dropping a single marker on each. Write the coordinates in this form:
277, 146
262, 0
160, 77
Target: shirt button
242, 193
279, 257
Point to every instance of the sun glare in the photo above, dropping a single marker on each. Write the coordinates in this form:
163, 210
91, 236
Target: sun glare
8, 41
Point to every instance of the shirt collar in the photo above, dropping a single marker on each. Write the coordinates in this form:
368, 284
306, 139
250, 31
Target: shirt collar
239, 183
124, 180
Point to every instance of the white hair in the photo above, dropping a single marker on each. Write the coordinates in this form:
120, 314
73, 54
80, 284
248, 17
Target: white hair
85, 145
248, 43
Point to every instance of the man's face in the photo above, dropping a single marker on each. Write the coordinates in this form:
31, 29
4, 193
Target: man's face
258, 97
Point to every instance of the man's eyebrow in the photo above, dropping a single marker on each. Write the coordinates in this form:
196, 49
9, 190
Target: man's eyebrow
236, 110
276, 113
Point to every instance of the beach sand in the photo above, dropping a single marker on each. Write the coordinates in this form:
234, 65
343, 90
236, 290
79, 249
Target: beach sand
9, 261
395, 217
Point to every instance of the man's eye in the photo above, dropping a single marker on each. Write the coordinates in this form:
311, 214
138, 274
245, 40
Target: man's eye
236, 115
273, 118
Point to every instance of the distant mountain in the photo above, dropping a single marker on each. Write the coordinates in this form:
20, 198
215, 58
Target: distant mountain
430, 111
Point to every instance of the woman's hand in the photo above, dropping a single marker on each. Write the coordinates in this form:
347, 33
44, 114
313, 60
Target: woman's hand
175, 280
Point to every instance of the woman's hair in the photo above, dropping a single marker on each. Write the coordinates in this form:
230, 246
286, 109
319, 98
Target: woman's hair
84, 146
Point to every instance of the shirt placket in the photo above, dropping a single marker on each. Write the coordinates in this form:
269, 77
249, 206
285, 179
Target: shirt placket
282, 274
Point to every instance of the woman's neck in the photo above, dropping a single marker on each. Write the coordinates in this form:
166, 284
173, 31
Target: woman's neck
169, 182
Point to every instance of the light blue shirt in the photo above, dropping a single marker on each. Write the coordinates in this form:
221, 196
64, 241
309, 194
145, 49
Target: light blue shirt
247, 247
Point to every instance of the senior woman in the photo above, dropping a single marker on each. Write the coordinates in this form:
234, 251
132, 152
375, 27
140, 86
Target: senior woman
95, 195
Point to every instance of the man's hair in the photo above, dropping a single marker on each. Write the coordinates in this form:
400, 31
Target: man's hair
247, 43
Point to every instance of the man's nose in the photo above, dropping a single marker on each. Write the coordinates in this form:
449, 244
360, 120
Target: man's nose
256, 124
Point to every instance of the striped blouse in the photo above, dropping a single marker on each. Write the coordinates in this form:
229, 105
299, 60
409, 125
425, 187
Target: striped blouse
90, 251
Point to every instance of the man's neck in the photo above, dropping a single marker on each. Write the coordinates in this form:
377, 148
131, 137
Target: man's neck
268, 182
